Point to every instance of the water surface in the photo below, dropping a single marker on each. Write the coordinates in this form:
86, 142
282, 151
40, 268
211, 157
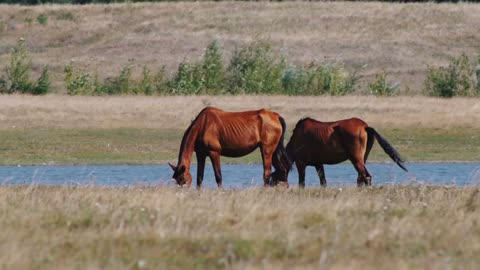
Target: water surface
238, 176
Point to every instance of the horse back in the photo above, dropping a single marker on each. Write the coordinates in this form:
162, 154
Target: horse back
325, 142
237, 133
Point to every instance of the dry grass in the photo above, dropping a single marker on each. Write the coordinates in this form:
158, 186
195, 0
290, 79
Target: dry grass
394, 227
148, 130
401, 38
176, 112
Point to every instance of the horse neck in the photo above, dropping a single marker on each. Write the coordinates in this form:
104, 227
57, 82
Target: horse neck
188, 146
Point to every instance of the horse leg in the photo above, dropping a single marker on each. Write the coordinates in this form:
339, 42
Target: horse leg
363, 175
321, 175
200, 169
301, 174
267, 164
368, 178
215, 158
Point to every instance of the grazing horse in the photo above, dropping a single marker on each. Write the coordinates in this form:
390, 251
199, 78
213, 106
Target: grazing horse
315, 143
216, 133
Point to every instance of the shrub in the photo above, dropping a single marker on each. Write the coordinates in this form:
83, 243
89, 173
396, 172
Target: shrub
42, 19
458, 79
188, 80
295, 81
382, 87
19, 69
146, 85
43, 84
17, 79
328, 79
3, 85
212, 69
77, 83
337, 80
118, 85
255, 69
160, 82
206, 77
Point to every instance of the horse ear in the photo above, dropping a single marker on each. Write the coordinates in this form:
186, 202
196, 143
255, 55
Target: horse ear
182, 169
174, 168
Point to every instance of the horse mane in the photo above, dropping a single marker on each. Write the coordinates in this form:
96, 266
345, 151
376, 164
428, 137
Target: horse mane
187, 132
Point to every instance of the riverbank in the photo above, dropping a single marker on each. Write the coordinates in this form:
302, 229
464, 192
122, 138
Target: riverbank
148, 130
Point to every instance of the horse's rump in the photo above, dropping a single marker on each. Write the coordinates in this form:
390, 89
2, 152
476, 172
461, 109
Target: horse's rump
315, 143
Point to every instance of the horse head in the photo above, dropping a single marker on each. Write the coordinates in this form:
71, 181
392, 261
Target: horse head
181, 176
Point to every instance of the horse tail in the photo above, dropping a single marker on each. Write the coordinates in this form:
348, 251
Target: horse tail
387, 147
370, 142
281, 152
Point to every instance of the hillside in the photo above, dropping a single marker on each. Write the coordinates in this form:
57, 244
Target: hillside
400, 38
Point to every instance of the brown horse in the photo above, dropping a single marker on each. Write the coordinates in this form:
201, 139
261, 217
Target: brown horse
315, 143
216, 133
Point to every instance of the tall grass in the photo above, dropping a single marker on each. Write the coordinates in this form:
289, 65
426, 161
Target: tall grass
394, 227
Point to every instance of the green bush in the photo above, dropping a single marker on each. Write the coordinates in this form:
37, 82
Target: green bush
295, 81
19, 69
151, 83
382, 87
17, 78
42, 86
458, 79
146, 85
82, 83
120, 85
3, 85
188, 80
255, 69
328, 79
206, 77
160, 82
213, 71
77, 83
42, 19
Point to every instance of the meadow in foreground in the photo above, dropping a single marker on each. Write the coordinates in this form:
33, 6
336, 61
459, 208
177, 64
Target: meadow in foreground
394, 227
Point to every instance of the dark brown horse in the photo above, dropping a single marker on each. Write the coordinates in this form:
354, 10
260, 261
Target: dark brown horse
216, 133
315, 143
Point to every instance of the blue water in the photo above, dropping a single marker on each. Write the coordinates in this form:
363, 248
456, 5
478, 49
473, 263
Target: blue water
238, 176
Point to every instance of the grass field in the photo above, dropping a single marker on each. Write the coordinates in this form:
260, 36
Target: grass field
394, 227
403, 39
151, 146
148, 130
384, 227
